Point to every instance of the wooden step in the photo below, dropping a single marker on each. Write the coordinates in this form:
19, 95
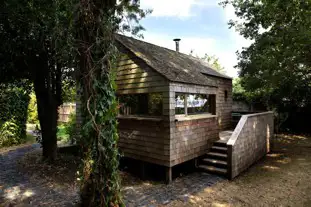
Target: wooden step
215, 162
220, 143
222, 156
219, 149
213, 169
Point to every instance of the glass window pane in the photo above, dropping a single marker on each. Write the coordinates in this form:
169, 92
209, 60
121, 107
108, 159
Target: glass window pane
197, 103
179, 103
141, 104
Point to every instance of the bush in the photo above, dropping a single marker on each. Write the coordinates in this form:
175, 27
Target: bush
32, 110
14, 99
70, 127
9, 132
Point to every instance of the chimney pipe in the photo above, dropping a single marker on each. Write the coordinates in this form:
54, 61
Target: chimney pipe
177, 44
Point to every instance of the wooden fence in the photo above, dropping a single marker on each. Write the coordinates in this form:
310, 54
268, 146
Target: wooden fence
64, 111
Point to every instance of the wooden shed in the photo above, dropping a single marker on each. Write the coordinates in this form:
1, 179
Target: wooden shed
173, 106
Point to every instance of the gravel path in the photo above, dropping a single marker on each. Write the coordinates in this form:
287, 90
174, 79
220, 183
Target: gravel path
36, 185
19, 189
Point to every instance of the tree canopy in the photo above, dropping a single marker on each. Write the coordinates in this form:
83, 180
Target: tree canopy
277, 64
212, 60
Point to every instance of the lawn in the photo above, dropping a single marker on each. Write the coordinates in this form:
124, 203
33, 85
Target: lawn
62, 135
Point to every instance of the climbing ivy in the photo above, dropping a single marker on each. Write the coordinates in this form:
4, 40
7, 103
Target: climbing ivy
95, 25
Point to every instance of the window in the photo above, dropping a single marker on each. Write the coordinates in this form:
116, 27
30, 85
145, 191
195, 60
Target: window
194, 104
197, 103
180, 103
141, 104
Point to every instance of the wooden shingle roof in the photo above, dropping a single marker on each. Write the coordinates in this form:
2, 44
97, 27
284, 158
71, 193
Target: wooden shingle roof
175, 66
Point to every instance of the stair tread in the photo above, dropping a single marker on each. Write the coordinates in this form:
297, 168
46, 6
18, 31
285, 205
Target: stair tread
222, 141
215, 161
217, 154
213, 169
219, 148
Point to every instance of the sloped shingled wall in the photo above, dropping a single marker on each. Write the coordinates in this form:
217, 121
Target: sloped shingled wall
250, 141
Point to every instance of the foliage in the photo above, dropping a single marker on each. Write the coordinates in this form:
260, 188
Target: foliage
28, 52
276, 65
9, 133
70, 127
14, 100
213, 61
32, 110
95, 25
69, 91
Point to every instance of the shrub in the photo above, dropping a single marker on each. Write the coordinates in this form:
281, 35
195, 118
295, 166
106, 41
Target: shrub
32, 110
9, 132
70, 127
14, 99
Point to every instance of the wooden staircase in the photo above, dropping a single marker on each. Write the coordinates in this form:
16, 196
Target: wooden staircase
215, 160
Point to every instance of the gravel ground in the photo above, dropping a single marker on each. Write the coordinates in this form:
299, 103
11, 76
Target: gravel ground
282, 178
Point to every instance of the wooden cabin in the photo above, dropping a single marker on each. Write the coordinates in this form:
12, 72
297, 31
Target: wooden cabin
173, 105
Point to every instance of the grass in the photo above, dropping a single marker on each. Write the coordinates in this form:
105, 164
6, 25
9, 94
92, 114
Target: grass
30, 139
62, 134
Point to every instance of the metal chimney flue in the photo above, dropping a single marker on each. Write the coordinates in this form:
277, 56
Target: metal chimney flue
177, 44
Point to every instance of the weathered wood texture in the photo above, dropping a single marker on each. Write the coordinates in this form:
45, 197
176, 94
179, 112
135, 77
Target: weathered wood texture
145, 140
64, 111
191, 139
223, 103
134, 76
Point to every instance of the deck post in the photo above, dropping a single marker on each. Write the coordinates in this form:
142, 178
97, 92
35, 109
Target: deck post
168, 175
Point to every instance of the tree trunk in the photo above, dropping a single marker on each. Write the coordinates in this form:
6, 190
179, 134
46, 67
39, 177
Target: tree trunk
47, 109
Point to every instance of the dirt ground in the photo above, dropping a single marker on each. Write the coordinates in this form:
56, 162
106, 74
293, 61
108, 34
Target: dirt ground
282, 178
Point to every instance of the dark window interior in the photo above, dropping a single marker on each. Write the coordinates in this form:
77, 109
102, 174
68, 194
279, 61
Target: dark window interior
141, 104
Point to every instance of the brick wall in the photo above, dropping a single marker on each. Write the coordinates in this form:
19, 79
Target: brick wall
250, 141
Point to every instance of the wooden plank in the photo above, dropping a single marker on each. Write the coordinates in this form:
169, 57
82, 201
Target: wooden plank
141, 85
140, 80
147, 159
130, 76
153, 151
142, 90
145, 154
130, 71
140, 143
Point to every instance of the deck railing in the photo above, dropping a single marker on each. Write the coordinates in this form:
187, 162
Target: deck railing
249, 142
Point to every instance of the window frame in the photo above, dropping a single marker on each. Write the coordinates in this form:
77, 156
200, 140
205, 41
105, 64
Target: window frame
211, 104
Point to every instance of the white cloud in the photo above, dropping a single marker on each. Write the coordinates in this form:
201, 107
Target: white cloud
211, 46
174, 8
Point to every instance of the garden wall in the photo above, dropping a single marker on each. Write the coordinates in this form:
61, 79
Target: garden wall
250, 141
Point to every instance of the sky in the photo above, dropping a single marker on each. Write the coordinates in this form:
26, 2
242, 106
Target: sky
202, 26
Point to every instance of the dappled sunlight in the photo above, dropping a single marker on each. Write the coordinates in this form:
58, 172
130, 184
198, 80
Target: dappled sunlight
194, 199
217, 204
275, 155
292, 137
285, 160
208, 190
15, 192
270, 168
